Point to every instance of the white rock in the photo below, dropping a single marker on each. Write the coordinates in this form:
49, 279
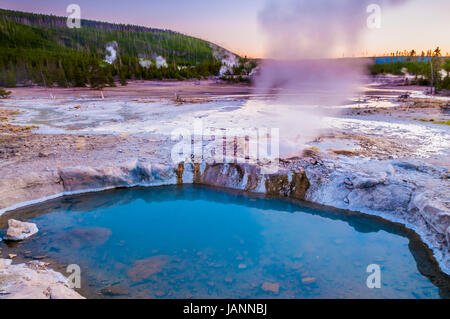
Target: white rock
33, 280
4, 263
18, 230
432, 209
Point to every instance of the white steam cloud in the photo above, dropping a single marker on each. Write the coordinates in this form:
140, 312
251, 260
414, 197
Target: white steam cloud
161, 62
145, 63
315, 29
301, 35
228, 59
111, 55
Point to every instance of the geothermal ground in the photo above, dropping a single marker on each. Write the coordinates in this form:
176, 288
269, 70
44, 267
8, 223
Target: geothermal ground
375, 154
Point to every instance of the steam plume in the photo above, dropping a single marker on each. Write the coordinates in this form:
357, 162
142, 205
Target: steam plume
145, 63
229, 61
301, 35
227, 58
111, 49
161, 62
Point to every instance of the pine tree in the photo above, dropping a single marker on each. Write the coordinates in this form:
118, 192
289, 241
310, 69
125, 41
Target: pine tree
436, 63
97, 77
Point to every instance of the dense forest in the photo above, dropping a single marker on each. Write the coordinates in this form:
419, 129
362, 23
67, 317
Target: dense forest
430, 69
41, 49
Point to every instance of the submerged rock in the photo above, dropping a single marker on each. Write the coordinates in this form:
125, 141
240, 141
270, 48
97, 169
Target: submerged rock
308, 280
87, 236
144, 268
18, 230
114, 291
269, 287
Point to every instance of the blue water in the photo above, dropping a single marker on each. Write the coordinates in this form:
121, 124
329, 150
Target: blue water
186, 242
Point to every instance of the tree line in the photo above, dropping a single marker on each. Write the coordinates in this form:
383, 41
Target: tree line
40, 50
428, 73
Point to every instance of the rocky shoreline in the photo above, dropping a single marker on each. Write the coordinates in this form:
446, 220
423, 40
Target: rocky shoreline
33, 280
380, 190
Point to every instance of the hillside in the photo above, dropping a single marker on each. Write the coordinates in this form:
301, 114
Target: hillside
41, 49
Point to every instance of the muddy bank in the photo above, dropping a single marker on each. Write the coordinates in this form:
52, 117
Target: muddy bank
165, 88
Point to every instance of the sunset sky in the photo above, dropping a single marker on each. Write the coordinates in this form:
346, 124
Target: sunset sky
234, 24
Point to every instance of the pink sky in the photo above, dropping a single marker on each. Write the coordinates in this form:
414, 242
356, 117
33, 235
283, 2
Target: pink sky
418, 24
